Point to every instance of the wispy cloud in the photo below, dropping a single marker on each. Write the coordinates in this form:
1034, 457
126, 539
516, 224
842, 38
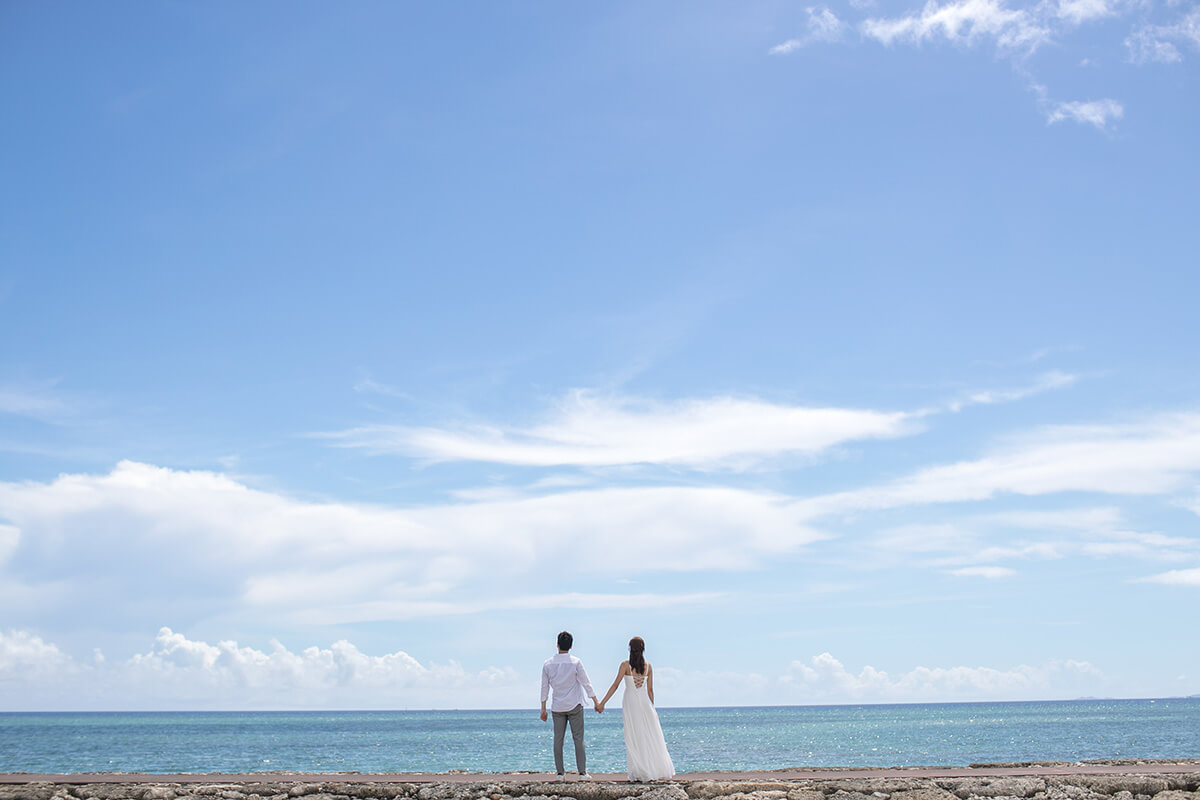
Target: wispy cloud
588, 429
989, 571
1080, 11
1038, 355
367, 385
1176, 577
1097, 113
1100, 114
1091, 519
965, 21
1135, 544
1160, 43
974, 543
376, 610
1046, 382
36, 400
1016, 31
823, 26
1158, 456
592, 431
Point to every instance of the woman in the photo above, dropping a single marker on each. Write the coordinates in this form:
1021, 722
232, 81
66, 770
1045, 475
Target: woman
646, 756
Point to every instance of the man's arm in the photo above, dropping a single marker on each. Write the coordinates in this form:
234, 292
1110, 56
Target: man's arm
587, 686
545, 690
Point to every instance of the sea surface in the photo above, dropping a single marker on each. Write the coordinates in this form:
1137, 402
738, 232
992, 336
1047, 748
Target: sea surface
698, 738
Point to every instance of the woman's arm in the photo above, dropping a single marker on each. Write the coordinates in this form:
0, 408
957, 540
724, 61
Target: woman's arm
650, 683
622, 671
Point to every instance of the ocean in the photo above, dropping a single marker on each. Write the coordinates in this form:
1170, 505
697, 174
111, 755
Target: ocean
698, 738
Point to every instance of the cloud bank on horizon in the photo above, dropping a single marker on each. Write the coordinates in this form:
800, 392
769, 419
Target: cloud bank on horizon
178, 673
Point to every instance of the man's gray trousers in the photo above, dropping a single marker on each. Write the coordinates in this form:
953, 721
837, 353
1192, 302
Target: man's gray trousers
561, 718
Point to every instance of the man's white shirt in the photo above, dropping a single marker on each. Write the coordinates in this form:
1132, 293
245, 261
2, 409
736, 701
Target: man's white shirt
565, 674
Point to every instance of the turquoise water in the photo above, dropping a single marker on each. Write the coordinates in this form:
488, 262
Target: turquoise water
699, 738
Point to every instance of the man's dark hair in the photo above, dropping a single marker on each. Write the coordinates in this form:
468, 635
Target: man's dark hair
565, 640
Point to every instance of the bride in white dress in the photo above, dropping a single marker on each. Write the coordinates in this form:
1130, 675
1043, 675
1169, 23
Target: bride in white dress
646, 756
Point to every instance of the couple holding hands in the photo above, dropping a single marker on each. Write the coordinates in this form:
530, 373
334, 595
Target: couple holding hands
563, 676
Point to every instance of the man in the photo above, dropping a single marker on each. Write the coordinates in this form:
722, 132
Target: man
564, 673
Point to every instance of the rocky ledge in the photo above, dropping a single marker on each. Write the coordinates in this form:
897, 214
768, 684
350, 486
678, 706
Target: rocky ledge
858, 786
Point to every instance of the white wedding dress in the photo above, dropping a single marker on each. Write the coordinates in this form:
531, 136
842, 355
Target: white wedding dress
646, 756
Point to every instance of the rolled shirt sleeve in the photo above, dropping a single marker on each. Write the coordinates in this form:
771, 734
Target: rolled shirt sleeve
545, 682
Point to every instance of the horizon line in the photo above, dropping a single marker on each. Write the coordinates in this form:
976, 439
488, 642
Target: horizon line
533, 710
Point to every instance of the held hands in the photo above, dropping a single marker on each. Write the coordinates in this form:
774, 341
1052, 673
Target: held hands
598, 705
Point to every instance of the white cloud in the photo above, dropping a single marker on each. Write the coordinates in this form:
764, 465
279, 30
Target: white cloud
1160, 42
589, 430
1098, 113
990, 572
340, 664
24, 655
1157, 456
787, 47
826, 677
1176, 577
823, 26
592, 431
178, 672
1079, 11
965, 22
202, 540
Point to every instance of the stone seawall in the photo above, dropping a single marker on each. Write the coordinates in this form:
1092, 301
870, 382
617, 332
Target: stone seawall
856, 785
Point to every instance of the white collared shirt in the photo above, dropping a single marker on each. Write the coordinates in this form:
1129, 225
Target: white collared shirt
566, 675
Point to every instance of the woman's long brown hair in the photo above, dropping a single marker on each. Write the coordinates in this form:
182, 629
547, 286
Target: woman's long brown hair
637, 661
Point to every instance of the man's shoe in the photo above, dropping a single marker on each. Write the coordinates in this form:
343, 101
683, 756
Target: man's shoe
585, 776
561, 777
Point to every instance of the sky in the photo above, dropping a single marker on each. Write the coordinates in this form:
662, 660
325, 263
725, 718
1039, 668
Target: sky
846, 353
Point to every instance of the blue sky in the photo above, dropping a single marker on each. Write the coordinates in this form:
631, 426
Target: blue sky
846, 353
